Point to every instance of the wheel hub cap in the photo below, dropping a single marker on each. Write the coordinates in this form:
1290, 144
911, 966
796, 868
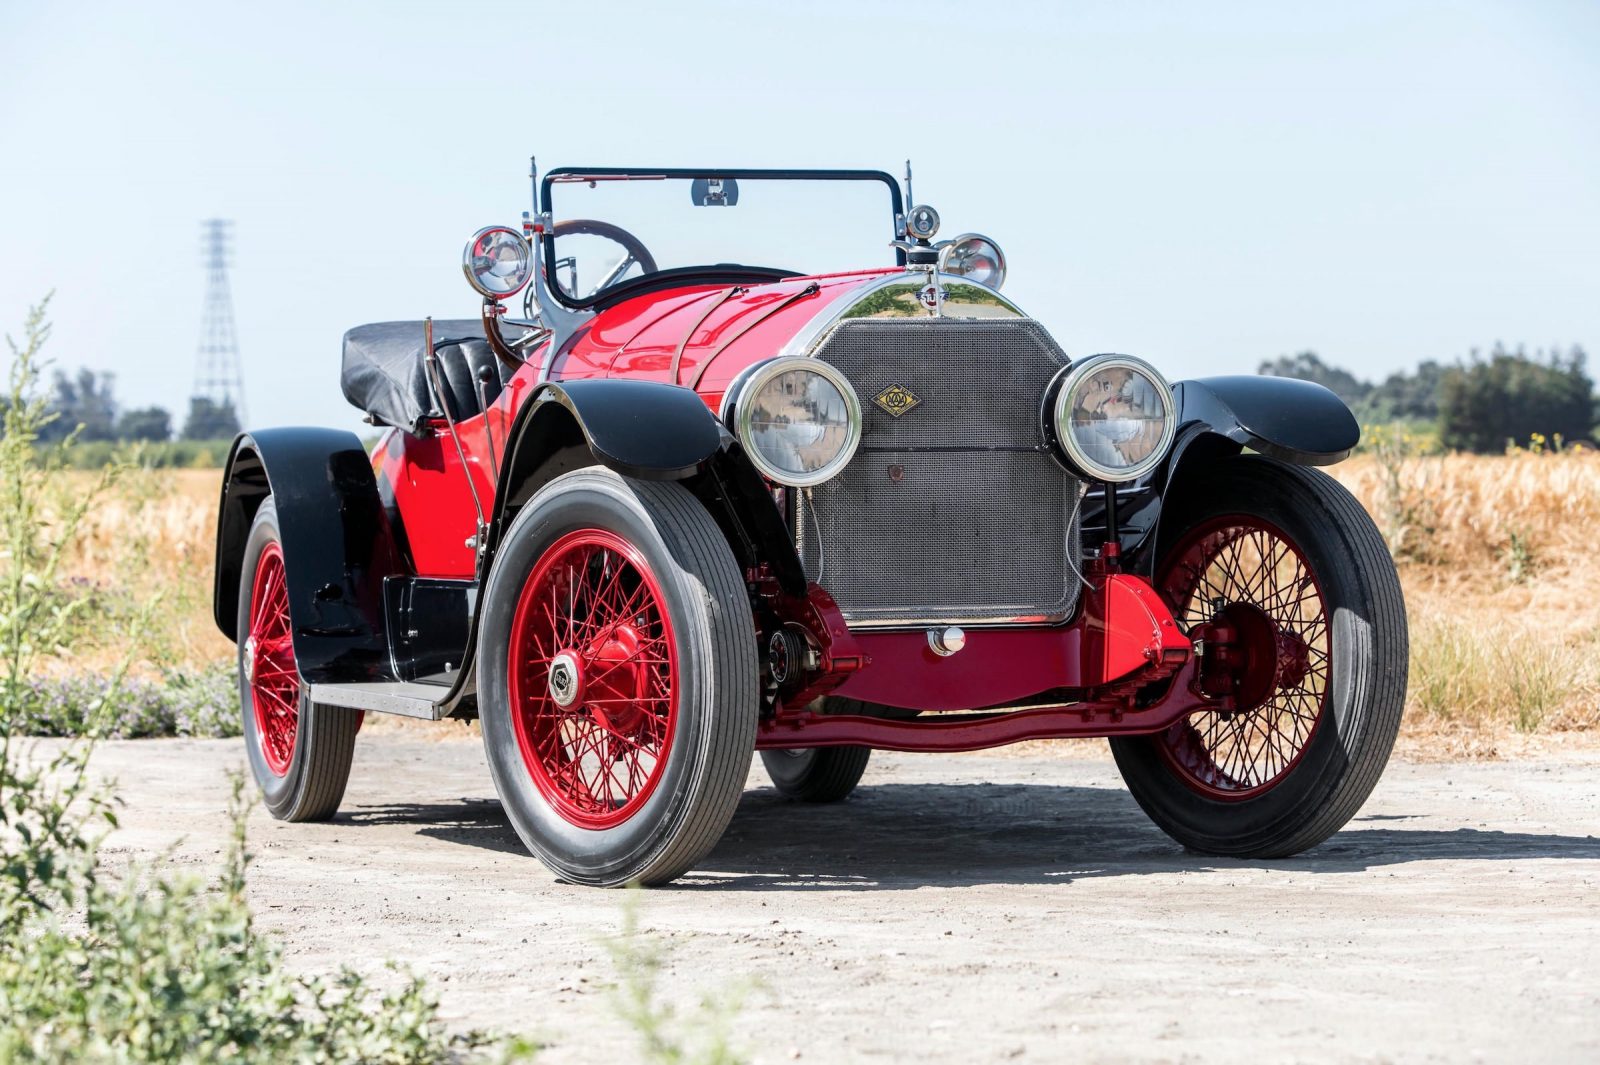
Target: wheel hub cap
564, 679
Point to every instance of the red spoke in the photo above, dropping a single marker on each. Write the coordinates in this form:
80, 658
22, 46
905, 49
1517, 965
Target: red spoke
274, 676
593, 603
1241, 562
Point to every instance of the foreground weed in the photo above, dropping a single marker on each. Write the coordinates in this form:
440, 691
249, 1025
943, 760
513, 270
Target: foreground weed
1404, 514
1519, 557
639, 960
147, 966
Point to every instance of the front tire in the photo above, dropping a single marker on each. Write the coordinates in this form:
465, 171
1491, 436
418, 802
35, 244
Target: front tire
1286, 554
617, 679
299, 751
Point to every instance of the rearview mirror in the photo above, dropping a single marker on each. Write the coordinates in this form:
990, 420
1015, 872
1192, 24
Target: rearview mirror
714, 192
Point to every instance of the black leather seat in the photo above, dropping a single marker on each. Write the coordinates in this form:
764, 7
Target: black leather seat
384, 375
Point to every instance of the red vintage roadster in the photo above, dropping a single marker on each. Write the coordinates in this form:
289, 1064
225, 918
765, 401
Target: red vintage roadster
721, 488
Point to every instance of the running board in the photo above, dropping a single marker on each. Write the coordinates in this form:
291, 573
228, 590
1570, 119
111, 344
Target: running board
386, 697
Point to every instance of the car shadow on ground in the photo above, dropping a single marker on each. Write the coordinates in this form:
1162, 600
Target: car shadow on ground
904, 836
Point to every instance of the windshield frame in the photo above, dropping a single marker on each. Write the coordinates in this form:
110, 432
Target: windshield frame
684, 275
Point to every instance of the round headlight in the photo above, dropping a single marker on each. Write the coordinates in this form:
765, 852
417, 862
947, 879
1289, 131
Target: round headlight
976, 258
1113, 416
497, 261
798, 419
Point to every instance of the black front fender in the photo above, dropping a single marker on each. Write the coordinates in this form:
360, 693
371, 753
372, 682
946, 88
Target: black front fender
645, 429
338, 546
652, 431
1281, 417
1293, 421
649, 430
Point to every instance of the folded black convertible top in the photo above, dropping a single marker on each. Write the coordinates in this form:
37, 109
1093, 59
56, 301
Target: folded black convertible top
383, 375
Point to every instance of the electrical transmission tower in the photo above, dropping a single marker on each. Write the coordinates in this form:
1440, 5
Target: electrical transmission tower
218, 375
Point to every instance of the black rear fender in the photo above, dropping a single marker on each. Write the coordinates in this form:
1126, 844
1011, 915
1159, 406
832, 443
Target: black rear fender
338, 546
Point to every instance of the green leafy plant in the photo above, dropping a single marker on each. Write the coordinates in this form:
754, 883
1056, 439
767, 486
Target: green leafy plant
1519, 557
170, 969
1404, 513
146, 966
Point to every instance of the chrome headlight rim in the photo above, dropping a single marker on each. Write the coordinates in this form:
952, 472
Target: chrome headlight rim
749, 382
526, 272
953, 246
1058, 404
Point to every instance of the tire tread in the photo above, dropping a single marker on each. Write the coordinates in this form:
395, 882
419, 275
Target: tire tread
705, 553
1377, 669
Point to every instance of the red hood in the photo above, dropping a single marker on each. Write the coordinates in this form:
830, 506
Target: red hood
719, 329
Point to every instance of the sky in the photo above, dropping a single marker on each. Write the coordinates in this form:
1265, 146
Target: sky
1204, 185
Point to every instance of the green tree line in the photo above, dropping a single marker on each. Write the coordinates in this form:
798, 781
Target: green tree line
1480, 403
88, 399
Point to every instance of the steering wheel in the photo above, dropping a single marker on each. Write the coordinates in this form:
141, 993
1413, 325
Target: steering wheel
634, 253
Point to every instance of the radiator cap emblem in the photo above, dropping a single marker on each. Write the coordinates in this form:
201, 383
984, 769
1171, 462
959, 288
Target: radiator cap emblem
896, 400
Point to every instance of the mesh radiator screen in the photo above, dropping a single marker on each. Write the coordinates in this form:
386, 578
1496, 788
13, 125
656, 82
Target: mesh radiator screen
954, 511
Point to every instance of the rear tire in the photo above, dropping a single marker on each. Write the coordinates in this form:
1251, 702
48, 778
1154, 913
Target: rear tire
1274, 780
299, 751
816, 774
618, 682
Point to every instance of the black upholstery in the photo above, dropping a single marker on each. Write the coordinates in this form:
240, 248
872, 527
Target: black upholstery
384, 374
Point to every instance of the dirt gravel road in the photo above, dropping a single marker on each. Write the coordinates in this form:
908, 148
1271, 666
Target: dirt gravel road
957, 909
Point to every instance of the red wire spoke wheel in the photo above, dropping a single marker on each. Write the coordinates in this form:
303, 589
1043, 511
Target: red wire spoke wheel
1287, 581
593, 678
274, 679
1242, 572
618, 681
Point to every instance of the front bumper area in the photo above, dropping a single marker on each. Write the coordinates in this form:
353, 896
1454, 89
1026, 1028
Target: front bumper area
1122, 666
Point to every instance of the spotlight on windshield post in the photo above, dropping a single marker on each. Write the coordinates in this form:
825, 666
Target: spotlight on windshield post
714, 192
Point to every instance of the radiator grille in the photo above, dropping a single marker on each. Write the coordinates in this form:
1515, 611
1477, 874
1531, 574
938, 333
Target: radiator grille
952, 512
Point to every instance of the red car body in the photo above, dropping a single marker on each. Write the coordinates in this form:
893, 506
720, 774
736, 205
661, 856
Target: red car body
1124, 634
1205, 601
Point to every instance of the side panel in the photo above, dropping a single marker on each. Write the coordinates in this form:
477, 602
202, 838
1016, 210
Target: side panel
426, 481
430, 624
337, 546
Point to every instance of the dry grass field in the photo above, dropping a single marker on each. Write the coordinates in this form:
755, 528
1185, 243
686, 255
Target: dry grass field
1501, 580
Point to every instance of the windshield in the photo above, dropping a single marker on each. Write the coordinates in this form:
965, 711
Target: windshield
612, 228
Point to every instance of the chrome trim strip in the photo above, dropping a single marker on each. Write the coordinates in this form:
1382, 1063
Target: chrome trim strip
809, 337
1026, 621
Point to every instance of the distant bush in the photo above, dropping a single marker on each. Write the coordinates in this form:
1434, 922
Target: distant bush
165, 454
180, 704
